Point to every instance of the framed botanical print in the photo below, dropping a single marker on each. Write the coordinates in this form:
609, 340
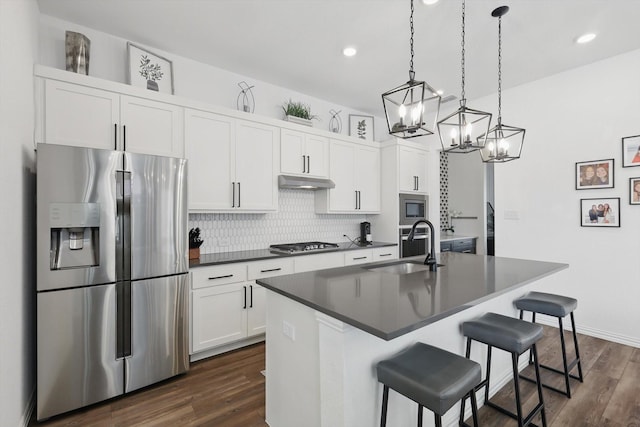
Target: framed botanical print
361, 126
148, 70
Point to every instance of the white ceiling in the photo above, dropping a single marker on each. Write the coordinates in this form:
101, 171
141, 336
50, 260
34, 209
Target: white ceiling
298, 43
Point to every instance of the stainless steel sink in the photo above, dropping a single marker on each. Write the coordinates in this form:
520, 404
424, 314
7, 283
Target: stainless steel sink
402, 267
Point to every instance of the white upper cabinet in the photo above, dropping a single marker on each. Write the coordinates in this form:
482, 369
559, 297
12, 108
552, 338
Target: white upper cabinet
151, 127
412, 170
232, 163
355, 169
303, 154
83, 116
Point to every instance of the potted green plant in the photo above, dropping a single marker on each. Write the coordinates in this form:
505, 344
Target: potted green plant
298, 112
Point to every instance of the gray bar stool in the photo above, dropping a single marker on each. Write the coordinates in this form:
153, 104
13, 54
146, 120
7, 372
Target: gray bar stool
557, 306
515, 336
431, 377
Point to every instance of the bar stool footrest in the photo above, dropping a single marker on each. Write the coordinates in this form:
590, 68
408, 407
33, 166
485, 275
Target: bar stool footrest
526, 421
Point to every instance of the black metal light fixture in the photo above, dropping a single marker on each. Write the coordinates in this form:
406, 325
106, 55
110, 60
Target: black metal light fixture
464, 130
407, 106
503, 143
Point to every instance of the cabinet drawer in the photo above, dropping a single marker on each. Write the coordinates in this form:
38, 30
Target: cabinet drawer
358, 257
318, 261
445, 246
385, 253
269, 268
218, 275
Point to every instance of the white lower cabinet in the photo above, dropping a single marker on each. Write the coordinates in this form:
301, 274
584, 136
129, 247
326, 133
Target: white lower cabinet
361, 256
384, 253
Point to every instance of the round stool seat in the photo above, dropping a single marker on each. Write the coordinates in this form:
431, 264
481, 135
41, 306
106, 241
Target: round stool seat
430, 376
550, 304
506, 333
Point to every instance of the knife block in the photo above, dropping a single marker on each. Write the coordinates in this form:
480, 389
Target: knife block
194, 253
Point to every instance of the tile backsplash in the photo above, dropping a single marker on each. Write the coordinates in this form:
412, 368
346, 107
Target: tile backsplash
295, 221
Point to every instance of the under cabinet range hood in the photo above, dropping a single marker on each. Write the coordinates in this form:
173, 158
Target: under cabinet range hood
304, 182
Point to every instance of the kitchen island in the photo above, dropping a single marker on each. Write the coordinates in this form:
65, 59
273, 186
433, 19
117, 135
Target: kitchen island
327, 330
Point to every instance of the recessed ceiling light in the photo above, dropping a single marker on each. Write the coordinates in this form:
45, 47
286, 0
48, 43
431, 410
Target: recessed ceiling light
585, 38
349, 51
429, 2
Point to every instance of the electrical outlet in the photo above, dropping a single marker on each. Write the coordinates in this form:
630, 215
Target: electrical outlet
223, 242
289, 330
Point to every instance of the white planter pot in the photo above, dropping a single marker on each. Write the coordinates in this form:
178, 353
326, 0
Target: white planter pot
298, 120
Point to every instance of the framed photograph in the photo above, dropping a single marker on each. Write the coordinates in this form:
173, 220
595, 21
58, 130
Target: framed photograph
361, 126
148, 70
594, 174
631, 151
603, 212
634, 191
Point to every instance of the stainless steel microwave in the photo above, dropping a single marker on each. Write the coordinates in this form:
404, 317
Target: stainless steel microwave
412, 208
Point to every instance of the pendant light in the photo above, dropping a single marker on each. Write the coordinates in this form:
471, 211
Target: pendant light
407, 106
464, 130
504, 143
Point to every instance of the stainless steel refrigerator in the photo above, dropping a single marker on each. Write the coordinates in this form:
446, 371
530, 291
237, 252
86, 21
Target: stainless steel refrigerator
112, 287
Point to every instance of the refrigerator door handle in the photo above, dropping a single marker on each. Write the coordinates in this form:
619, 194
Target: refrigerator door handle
123, 235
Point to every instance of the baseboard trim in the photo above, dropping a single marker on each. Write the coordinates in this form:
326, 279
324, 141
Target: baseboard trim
225, 348
593, 332
28, 411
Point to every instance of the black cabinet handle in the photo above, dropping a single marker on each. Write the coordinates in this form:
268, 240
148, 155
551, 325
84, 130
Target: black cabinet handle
124, 138
115, 136
308, 164
245, 297
381, 255
233, 194
304, 164
221, 277
417, 183
271, 269
359, 257
356, 199
239, 197
251, 300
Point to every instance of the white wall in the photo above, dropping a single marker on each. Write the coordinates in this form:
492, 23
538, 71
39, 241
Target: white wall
192, 79
575, 116
18, 51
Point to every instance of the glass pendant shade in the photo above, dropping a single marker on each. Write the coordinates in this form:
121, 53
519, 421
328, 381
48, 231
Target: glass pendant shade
503, 143
464, 130
411, 109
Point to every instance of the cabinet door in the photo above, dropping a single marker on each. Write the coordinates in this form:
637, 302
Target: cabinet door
209, 149
341, 171
292, 155
256, 313
368, 179
80, 116
317, 150
218, 315
256, 166
151, 127
412, 170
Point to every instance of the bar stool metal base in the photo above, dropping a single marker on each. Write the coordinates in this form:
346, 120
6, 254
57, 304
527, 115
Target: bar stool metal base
568, 366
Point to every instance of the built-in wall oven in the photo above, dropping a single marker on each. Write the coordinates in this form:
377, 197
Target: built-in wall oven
418, 246
412, 208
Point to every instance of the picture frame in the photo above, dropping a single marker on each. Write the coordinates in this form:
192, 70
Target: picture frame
594, 174
361, 127
149, 70
634, 190
600, 212
631, 151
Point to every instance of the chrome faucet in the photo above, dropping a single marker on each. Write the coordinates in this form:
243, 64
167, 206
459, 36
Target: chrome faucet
430, 260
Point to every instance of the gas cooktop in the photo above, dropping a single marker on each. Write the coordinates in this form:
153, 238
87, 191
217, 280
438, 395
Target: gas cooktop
296, 248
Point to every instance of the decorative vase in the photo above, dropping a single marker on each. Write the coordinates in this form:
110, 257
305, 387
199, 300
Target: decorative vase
152, 85
77, 48
194, 253
299, 120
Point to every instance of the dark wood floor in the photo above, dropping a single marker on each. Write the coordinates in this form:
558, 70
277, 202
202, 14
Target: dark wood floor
228, 391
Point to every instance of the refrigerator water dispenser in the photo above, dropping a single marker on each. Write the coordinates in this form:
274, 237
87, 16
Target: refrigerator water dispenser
75, 235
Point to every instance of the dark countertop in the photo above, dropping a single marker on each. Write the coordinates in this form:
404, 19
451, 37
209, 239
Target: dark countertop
255, 255
389, 305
